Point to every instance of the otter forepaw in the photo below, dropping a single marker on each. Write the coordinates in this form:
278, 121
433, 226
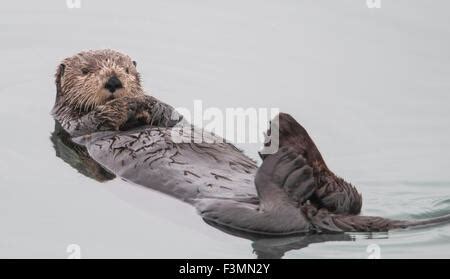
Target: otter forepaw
116, 113
151, 111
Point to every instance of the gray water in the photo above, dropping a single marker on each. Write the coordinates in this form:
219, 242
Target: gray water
370, 85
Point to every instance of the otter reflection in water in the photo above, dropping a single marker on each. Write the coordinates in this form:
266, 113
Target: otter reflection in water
77, 156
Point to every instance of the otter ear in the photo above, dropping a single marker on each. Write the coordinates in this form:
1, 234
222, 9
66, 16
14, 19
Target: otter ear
134, 63
58, 76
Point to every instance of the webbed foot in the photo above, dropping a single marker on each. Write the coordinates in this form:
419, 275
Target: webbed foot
282, 181
287, 171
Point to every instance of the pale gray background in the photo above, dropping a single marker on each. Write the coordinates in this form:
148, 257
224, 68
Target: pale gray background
370, 85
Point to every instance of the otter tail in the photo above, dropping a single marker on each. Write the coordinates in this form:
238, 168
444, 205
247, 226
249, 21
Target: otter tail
356, 223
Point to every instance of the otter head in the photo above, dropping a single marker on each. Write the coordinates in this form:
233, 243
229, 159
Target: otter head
91, 78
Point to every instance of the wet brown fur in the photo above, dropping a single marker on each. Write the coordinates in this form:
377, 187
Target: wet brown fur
80, 86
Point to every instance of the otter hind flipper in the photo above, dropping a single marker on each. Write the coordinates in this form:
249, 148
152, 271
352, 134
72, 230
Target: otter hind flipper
278, 213
338, 196
284, 176
250, 218
332, 192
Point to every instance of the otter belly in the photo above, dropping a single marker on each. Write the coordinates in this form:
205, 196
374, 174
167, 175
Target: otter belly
187, 168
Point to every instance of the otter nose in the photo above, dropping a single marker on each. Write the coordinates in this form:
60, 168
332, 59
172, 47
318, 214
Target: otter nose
112, 84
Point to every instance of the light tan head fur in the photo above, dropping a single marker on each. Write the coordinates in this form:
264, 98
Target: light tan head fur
81, 79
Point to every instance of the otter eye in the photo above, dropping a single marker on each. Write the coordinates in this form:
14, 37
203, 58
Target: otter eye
127, 70
85, 71
134, 63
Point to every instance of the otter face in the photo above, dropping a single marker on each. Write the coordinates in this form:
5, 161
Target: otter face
91, 78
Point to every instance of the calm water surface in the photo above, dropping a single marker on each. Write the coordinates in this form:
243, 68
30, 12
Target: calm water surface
370, 85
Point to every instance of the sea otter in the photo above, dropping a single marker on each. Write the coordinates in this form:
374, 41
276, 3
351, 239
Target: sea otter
101, 106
